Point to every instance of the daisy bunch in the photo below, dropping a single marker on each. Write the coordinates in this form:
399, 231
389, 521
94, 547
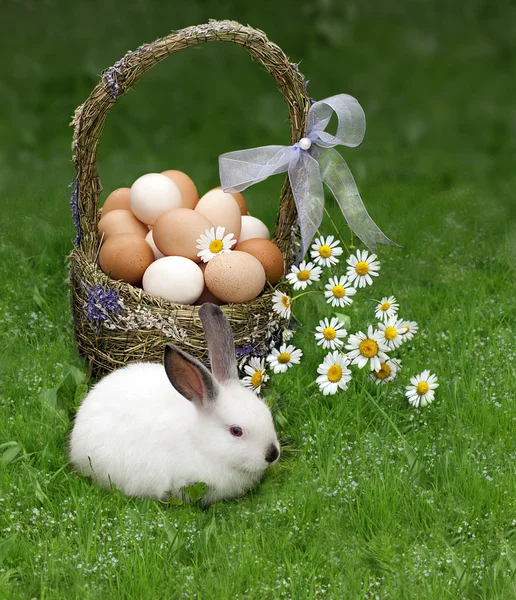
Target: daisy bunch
373, 347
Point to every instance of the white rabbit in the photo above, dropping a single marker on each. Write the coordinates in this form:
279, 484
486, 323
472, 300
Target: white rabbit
136, 431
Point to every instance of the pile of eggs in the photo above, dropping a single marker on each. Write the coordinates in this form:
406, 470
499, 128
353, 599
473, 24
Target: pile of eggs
150, 234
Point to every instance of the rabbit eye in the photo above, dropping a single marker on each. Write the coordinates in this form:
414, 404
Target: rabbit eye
236, 431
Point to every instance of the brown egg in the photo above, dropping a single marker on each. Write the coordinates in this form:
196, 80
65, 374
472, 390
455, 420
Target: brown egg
126, 257
268, 254
206, 295
176, 232
121, 221
189, 193
221, 210
235, 276
240, 201
117, 199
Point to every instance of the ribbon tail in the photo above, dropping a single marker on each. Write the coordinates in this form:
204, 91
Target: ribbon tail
336, 175
307, 189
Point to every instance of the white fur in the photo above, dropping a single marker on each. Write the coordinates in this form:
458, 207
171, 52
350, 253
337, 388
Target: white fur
136, 432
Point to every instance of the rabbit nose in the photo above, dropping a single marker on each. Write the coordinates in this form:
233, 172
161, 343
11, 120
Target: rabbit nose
272, 453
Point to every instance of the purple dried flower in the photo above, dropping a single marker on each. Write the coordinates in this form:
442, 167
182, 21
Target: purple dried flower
245, 350
74, 203
110, 75
101, 304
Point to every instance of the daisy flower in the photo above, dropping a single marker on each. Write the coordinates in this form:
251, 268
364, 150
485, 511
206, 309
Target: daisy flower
281, 304
213, 242
421, 392
387, 308
362, 267
410, 328
339, 291
281, 360
325, 251
333, 373
329, 333
370, 348
392, 332
256, 374
388, 371
303, 275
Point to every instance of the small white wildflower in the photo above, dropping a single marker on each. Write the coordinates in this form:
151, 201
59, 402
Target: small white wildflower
334, 373
214, 242
304, 275
256, 374
281, 360
361, 267
281, 304
329, 333
370, 348
386, 308
325, 251
421, 392
339, 291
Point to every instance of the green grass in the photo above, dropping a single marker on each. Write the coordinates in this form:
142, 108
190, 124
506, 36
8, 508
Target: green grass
372, 498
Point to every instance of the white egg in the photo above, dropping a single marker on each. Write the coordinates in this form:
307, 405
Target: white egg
151, 195
174, 278
253, 228
150, 240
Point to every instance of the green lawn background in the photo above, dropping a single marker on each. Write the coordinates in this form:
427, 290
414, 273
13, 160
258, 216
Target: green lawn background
373, 499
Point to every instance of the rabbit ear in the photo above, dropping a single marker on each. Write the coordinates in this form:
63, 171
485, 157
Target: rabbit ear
220, 342
190, 377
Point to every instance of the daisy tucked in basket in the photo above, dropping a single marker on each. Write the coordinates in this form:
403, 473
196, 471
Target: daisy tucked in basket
115, 320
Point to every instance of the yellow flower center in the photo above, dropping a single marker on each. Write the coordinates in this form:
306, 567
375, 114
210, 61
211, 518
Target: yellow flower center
406, 328
325, 251
286, 300
303, 275
329, 333
362, 268
256, 379
385, 306
384, 371
390, 333
422, 388
334, 373
216, 246
338, 291
368, 348
284, 358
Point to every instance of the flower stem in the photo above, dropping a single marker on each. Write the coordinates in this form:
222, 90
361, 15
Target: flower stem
337, 230
305, 293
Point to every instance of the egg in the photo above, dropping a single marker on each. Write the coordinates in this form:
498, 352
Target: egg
153, 194
235, 276
150, 240
253, 228
189, 193
176, 232
121, 221
221, 210
268, 254
126, 257
206, 295
174, 278
240, 200
117, 199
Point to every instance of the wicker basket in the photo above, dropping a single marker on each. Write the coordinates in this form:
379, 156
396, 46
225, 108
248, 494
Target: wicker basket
116, 323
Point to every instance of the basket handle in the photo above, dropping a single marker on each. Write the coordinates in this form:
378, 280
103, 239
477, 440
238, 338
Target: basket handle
89, 118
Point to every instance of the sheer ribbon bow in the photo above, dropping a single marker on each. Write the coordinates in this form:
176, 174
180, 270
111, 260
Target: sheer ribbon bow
310, 162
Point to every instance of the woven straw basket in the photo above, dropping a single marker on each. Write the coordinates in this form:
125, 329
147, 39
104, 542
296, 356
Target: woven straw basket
116, 323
